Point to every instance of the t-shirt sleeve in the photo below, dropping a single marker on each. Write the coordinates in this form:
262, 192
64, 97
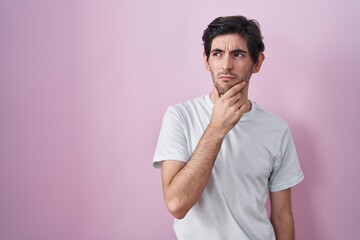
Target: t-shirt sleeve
286, 171
172, 144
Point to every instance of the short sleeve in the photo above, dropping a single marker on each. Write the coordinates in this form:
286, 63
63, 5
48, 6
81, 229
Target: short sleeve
172, 144
286, 171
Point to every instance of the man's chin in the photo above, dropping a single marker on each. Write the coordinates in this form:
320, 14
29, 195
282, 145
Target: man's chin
223, 89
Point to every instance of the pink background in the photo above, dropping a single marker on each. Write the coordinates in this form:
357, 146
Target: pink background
84, 85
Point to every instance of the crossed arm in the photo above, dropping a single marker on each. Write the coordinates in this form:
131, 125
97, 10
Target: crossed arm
183, 183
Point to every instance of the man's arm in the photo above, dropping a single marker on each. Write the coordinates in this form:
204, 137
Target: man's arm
281, 215
183, 183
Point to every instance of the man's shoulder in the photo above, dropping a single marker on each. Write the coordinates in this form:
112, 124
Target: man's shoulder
192, 104
269, 118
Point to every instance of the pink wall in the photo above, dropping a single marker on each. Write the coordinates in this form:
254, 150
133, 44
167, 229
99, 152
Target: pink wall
84, 85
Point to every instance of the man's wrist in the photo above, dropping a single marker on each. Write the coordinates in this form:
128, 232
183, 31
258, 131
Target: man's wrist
216, 131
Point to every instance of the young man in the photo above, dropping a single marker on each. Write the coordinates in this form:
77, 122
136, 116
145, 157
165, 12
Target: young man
220, 154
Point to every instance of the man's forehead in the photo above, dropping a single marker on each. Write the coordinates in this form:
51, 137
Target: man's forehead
229, 42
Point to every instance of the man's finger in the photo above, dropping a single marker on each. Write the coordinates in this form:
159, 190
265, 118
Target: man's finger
242, 109
234, 90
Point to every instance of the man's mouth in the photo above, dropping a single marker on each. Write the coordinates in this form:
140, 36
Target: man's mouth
227, 77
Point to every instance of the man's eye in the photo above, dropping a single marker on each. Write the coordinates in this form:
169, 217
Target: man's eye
239, 55
216, 54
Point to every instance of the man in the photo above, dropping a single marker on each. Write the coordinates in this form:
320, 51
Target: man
220, 154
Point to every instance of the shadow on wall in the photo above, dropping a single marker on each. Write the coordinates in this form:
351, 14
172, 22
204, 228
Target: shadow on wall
304, 194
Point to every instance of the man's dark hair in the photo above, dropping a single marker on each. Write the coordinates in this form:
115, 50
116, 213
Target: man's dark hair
246, 28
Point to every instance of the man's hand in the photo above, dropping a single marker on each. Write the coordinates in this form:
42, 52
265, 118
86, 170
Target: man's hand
228, 108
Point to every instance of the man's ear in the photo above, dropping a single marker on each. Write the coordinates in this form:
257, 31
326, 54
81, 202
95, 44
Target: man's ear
206, 62
259, 62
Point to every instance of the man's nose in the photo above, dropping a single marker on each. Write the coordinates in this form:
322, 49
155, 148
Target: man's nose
228, 62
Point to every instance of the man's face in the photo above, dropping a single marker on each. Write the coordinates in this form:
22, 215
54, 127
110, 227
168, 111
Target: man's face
230, 62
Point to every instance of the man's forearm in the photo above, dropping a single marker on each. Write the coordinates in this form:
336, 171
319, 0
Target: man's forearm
284, 226
188, 184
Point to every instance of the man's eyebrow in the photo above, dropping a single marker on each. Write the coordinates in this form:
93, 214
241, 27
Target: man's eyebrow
237, 50
217, 50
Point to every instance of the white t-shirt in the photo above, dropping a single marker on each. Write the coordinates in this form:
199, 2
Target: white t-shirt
258, 155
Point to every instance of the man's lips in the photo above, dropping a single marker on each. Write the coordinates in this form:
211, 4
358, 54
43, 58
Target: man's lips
226, 77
